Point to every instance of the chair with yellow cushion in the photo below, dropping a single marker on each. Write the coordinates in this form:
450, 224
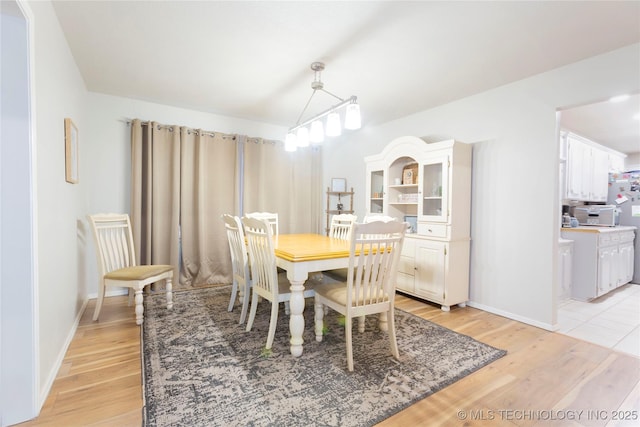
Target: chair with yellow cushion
266, 282
370, 286
341, 226
117, 262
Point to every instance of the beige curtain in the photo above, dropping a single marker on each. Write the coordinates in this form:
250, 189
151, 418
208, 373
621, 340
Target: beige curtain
183, 180
155, 192
287, 183
207, 191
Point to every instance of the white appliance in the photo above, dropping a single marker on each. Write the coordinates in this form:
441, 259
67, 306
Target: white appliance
624, 193
600, 215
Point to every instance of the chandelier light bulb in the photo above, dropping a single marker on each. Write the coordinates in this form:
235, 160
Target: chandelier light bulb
352, 117
316, 135
290, 143
333, 124
302, 137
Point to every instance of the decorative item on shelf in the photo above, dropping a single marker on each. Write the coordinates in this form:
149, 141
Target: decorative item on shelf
338, 185
340, 206
300, 136
410, 174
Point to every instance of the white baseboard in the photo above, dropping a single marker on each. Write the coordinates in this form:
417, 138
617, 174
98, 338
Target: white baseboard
44, 391
112, 292
512, 316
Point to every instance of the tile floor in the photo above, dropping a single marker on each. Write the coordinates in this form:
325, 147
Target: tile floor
612, 320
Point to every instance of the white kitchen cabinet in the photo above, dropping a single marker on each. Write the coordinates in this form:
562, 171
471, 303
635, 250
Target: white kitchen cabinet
431, 185
600, 176
587, 170
565, 267
602, 259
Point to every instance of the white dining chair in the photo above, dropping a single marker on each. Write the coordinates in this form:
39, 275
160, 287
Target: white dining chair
341, 226
270, 217
241, 283
377, 217
266, 282
117, 262
370, 287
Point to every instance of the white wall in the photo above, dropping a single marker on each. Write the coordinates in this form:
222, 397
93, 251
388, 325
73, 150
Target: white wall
59, 92
632, 161
515, 209
18, 307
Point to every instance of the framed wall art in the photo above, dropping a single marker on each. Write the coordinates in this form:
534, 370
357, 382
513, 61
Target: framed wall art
338, 185
71, 151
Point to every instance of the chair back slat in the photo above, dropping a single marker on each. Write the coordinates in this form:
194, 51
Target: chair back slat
114, 240
372, 271
270, 217
262, 259
341, 226
237, 247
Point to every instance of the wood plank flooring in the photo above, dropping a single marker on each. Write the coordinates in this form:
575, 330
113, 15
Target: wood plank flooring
545, 379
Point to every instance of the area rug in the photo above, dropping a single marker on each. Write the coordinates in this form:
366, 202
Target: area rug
200, 367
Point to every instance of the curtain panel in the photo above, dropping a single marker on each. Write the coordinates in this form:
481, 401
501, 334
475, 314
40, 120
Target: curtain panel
287, 183
183, 180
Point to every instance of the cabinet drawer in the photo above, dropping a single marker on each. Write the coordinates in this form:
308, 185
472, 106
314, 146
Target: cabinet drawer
432, 230
627, 236
605, 239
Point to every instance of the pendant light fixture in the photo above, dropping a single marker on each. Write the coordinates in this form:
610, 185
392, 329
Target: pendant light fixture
300, 135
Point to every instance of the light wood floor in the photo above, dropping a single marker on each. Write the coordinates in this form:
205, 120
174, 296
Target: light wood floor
545, 379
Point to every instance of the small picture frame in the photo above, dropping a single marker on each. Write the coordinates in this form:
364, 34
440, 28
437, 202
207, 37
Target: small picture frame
71, 151
338, 185
413, 223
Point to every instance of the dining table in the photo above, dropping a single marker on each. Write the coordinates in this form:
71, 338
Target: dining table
299, 255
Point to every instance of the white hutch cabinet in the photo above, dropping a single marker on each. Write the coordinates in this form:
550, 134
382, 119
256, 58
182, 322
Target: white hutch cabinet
429, 185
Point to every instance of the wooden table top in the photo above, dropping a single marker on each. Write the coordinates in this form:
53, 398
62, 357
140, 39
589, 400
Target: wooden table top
309, 247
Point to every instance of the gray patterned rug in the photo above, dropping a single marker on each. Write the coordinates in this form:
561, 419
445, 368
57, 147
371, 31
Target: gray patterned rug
200, 368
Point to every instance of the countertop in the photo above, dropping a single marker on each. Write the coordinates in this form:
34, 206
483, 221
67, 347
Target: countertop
598, 229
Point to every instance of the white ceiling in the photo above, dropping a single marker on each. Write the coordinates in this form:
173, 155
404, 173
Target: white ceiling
251, 59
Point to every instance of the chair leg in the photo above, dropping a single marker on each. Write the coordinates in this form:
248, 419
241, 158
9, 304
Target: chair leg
169, 289
319, 319
139, 307
234, 291
252, 313
245, 303
347, 336
272, 324
287, 309
392, 333
96, 312
361, 320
